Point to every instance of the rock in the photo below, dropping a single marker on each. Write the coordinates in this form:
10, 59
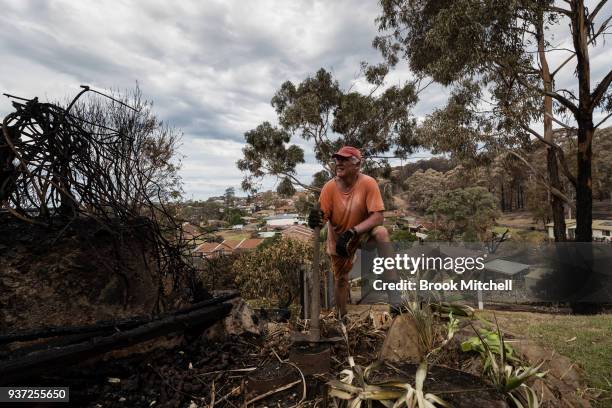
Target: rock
239, 321
381, 320
402, 341
557, 389
379, 315
560, 385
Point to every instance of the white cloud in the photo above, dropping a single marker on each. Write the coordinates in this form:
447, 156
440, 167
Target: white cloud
210, 67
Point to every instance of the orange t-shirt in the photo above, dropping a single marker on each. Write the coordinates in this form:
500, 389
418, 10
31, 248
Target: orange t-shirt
345, 210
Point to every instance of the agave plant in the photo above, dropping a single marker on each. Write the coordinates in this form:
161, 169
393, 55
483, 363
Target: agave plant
353, 387
427, 327
492, 340
455, 309
507, 378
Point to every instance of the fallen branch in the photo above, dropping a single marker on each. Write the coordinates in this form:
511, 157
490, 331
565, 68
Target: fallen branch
272, 392
106, 326
39, 362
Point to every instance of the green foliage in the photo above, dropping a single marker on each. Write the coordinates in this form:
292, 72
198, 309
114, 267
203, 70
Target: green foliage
320, 178
233, 216
485, 50
319, 111
446, 308
267, 152
285, 188
424, 186
429, 329
229, 196
465, 209
402, 235
492, 341
498, 367
267, 198
272, 273
304, 204
216, 273
269, 242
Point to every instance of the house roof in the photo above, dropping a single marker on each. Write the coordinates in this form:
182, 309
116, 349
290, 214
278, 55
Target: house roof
229, 245
282, 217
232, 243
249, 243
209, 247
605, 225
297, 231
505, 267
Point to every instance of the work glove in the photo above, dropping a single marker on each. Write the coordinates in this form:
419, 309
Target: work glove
343, 242
315, 218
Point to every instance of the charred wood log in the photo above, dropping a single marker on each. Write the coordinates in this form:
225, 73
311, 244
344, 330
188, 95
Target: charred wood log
39, 362
106, 326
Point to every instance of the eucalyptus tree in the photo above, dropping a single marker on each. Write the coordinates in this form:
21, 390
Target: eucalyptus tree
317, 113
495, 55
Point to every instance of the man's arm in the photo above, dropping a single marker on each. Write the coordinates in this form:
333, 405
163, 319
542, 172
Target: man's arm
374, 219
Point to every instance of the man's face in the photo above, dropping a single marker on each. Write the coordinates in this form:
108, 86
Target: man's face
346, 166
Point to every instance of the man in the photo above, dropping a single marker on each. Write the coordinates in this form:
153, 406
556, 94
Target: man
353, 205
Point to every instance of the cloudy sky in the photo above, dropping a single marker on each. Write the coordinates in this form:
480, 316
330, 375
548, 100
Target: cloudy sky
210, 67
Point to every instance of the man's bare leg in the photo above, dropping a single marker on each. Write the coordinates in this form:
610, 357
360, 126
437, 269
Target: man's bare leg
341, 268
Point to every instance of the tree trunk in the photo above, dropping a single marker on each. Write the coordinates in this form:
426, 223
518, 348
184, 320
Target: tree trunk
584, 117
584, 192
556, 204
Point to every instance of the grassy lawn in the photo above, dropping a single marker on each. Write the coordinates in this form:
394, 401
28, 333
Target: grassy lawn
591, 348
521, 234
235, 235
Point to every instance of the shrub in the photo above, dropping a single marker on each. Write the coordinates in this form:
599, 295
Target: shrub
273, 272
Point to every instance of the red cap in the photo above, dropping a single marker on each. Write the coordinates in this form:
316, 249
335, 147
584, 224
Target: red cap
348, 151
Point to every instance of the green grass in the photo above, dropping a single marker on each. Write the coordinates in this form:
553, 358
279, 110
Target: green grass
520, 234
591, 350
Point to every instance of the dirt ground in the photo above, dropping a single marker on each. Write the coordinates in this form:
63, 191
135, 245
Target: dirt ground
215, 369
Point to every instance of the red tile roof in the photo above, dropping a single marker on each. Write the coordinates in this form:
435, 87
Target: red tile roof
250, 243
229, 246
298, 232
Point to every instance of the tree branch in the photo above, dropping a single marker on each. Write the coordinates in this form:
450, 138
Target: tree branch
561, 154
561, 99
295, 180
600, 91
560, 10
537, 175
557, 121
597, 9
591, 40
602, 27
603, 120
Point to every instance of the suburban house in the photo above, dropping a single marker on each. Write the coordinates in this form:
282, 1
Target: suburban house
283, 220
602, 229
412, 224
227, 247
190, 231
284, 209
299, 232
